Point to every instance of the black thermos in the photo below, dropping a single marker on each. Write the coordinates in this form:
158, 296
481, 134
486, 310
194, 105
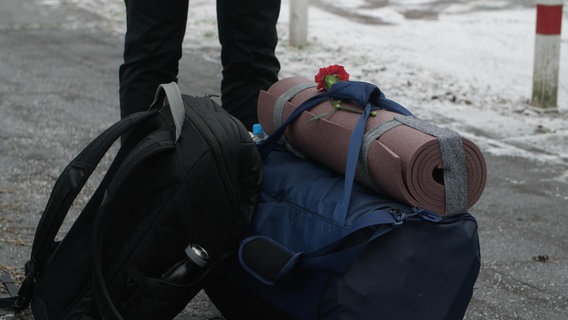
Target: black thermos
190, 269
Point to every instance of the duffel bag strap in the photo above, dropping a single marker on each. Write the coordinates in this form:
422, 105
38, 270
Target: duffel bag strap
269, 261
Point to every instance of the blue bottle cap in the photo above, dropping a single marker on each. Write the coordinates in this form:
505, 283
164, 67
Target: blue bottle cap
257, 129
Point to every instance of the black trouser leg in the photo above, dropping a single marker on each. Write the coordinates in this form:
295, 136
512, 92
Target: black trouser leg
152, 50
247, 33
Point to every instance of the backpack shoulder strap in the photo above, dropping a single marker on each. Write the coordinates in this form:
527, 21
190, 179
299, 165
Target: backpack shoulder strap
75, 175
171, 97
66, 188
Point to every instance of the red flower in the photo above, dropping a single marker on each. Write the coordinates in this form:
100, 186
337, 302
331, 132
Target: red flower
330, 75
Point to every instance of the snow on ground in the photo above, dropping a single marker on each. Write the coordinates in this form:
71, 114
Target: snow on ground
468, 62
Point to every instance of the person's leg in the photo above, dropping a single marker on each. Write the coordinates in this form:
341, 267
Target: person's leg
152, 49
247, 33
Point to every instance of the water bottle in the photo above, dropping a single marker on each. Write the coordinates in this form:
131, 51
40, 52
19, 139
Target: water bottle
190, 269
258, 134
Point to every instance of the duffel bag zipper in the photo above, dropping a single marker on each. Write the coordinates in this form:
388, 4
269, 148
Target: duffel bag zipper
424, 215
396, 212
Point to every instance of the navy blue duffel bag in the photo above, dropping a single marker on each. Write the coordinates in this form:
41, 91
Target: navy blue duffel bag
324, 247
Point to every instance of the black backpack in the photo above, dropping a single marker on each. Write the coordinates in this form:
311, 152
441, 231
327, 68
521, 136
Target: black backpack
186, 173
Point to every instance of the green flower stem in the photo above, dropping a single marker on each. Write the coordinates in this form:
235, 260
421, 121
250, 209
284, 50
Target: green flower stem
340, 107
336, 107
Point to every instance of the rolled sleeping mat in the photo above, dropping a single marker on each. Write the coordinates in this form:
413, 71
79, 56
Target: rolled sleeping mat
402, 157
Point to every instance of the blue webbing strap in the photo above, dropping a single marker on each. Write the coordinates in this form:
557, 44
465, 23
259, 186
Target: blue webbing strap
361, 93
268, 144
331, 258
281, 101
355, 141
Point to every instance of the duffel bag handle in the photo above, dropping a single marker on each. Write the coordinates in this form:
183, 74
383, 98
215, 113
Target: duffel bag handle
270, 262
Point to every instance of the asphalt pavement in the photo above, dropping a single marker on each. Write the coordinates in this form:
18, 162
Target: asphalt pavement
59, 89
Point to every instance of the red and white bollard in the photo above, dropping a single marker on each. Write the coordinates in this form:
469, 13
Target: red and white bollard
547, 55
